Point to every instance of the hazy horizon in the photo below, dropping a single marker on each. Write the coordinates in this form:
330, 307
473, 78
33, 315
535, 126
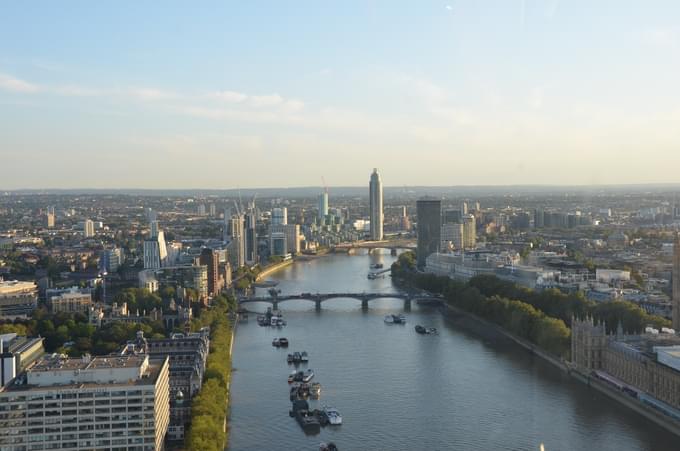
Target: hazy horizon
268, 95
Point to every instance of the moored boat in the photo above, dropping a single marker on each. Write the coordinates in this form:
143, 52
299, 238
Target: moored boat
308, 375
283, 342
334, 417
276, 342
291, 377
389, 319
420, 329
304, 357
315, 389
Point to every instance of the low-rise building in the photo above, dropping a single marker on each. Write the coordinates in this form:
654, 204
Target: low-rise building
17, 299
72, 300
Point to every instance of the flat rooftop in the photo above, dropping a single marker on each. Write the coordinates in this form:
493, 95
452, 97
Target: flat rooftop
58, 363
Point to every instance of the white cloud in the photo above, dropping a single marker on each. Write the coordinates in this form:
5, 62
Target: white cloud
76, 91
660, 37
229, 96
266, 100
151, 94
9, 83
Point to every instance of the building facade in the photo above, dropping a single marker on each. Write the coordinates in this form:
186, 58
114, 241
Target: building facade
428, 228
675, 312
112, 403
73, 300
375, 194
17, 298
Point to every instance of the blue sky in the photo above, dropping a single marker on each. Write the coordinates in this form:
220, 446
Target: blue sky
264, 94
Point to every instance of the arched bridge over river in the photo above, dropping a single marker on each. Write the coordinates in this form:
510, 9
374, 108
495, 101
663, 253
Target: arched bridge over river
319, 298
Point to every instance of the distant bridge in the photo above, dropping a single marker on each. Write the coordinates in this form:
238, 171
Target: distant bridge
319, 298
383, 244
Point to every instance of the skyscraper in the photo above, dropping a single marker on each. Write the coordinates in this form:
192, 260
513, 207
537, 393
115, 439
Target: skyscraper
237, 246
155, 252
375, 194
429, 213
469, 232
676, 283
251, 236
323, 205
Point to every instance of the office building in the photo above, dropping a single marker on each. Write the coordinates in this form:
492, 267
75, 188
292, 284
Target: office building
277, 244
452, 216
201, 210
463, 208
210, 259
292, 236
111, 259
17, 298
213, 210
323, 206
469, 232
88, 228
675, 312
72, 300
452, 236
539, 218
16, 354
112, 402
375, 193
279, 216
428, 229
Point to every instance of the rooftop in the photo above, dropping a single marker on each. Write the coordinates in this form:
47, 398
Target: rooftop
14, 286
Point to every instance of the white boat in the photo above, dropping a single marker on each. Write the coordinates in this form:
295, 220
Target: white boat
333, 415
389, 319
304, 357
309, 374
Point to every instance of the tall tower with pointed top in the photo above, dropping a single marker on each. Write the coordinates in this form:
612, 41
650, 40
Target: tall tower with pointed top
676, 283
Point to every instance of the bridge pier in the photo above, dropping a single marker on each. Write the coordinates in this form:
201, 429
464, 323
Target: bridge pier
275, 305
407, 304
364, 304
317, 304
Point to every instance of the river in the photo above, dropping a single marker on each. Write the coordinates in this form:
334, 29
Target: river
463, 389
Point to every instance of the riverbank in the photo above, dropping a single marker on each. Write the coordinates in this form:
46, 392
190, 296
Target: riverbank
626, 400
268, 270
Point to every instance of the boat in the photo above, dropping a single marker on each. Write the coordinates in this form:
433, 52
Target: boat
299, 376
304, 357
372, 276
315, 389
276, 342
432, 330
289, 358
283, 342
330, 446
395, 319
291, 377
262, 320
377, 266
296, 357
334, 417
420, 329
306, 419
308, 375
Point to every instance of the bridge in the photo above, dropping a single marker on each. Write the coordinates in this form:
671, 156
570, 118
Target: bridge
383, 244
319, 298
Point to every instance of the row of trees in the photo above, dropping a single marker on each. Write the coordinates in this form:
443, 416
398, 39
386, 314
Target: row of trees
70, 333
209, 407
541, 317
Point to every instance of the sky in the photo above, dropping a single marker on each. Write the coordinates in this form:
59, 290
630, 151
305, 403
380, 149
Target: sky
143, 94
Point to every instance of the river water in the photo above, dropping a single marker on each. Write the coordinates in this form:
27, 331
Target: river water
464, 389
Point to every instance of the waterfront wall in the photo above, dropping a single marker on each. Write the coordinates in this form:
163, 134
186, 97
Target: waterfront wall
272, 269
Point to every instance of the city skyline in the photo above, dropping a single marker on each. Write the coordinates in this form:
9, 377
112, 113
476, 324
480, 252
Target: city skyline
501, 93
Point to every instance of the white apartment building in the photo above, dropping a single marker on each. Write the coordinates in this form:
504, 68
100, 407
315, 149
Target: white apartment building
112, 403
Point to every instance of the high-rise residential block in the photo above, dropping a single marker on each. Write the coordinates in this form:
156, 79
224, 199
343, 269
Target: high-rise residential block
323, 205
676, 284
